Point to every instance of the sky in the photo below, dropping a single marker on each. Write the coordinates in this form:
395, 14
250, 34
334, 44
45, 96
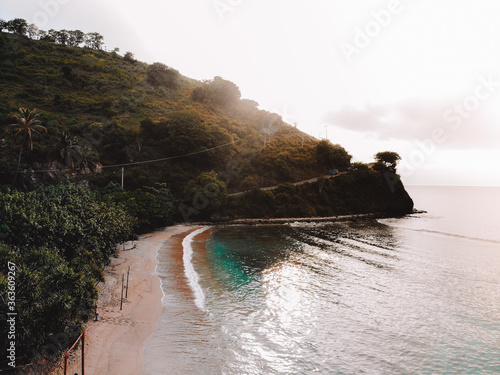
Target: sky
421, 78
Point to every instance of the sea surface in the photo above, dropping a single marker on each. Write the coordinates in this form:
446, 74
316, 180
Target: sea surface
413, 295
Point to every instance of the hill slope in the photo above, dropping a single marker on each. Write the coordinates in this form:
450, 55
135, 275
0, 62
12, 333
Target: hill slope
103, 112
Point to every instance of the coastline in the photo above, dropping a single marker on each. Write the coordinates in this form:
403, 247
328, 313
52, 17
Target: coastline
288, 220
317, 219
115, 344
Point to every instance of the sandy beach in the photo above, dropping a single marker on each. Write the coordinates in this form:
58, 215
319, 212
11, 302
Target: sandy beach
115, 343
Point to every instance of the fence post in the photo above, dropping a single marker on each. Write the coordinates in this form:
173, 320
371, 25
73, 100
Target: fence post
121, 299
126, 290
83, 353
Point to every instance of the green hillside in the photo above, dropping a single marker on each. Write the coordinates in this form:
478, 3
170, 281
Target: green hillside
90, 94
103, 111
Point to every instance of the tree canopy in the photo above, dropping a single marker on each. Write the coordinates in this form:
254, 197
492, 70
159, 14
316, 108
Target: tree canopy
158, 74
17, 26
388, 159
217, 91
331, 156
72, 38
206, 193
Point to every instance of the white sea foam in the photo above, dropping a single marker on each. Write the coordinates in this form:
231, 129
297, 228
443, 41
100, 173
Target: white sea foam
191, 274
156, 273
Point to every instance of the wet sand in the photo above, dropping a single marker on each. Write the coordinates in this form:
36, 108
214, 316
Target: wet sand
181, 320
115, 344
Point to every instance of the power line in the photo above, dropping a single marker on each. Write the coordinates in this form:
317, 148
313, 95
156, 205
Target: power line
172, 157
143, 162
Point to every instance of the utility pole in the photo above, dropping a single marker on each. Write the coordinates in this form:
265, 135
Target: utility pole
123, 171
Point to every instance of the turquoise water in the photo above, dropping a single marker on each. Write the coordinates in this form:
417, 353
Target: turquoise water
416, 295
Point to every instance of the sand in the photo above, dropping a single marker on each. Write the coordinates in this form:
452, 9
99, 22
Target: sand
115, 344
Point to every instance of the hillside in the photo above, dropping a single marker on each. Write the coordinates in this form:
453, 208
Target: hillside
103, 112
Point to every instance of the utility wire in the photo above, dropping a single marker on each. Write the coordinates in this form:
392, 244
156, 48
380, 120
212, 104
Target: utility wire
172, 157
146, 161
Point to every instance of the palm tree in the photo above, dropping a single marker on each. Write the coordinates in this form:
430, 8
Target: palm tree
26, 124
72, 153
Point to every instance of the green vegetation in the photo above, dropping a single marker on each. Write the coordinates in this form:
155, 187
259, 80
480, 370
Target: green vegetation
185, 146
362, 190
59, 238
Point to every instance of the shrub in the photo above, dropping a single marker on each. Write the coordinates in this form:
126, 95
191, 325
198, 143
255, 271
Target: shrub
159, 74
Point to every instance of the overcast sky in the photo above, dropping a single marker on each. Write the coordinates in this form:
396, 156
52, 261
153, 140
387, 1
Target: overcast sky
421, 78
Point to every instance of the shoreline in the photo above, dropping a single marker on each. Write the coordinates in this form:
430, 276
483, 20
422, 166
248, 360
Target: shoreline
318, 219
288, 220
115, 344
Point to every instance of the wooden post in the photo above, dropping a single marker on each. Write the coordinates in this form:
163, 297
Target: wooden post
126, 290
83, 353
121, 299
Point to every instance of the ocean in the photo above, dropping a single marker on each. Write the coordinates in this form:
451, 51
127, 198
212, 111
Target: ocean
412, 295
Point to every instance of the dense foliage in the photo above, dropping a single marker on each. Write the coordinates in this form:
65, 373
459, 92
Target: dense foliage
207, 195
153, 207
59, 238
362, 190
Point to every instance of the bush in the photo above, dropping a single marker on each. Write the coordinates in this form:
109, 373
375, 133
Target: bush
217, 91
159, 74
153, 207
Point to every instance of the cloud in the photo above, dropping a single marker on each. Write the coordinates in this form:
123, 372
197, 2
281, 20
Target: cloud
419, 119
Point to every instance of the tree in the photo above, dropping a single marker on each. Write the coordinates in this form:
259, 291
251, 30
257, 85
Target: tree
75, 38
94, 41
217, 91
330, 156
206, 193
62, 37
73, 154
159, 74
199, 94
32, 31
249, 103
3, 25
49, 36
224, 92
355, 167
270, 123
129, 57
388, 159
17, 26
27, 124
249, 183
152, 206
